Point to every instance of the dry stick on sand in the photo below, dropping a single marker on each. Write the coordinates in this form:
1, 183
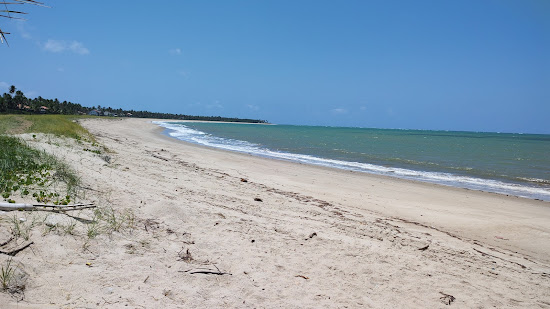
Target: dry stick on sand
22, 206
205, 271
447, 299
6, 242
15, 251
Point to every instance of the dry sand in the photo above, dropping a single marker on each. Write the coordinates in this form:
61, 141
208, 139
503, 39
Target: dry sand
204, 228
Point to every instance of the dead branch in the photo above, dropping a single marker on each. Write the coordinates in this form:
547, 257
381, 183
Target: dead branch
447, 299
37, 207
205, 271
209, 272
15, 251
6, 242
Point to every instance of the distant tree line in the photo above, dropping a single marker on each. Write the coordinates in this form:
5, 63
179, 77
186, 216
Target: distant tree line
15, 102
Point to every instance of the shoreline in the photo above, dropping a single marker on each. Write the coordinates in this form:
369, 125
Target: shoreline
456, 184
527, 189
213, 228
457, 202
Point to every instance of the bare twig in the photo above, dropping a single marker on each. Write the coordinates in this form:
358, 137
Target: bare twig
205, 271
7, 11
14, 252
22, 206
6, 242
447, 299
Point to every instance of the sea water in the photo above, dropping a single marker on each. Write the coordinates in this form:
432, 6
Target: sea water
506, 163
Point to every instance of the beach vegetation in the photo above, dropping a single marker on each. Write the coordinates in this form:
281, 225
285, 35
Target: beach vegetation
58, 125
92, 229
25, 171
22, 227
7, 273
112, 221
12, 278
107, 220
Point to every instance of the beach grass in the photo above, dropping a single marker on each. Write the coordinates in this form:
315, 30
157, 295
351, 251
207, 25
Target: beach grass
58, 125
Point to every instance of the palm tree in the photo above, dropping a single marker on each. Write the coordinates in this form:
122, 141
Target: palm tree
9, 13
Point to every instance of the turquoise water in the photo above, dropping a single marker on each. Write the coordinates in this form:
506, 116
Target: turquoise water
515, 164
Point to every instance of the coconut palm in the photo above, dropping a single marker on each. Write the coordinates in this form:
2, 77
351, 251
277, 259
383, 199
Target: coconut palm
7, 13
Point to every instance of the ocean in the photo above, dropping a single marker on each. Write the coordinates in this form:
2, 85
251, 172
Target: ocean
506, 163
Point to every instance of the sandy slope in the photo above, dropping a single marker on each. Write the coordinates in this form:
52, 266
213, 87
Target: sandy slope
313, 238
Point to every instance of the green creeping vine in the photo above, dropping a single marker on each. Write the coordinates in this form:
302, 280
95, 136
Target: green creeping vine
27, 170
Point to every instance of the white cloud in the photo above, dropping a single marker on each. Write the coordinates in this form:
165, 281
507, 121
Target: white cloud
363, 108
58, 46
253, 107
196, 104
55, 46
79, 48
22, 29
175, 51
339, 111
215, 105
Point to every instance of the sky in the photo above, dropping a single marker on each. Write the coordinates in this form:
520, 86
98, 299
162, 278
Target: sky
440, 65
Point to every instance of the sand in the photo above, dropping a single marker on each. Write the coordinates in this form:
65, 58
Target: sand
204, 228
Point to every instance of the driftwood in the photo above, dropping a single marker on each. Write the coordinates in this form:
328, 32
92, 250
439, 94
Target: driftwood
23, 206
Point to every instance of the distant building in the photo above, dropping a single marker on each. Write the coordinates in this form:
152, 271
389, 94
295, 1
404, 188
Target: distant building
94, 112
24, 107
43, 109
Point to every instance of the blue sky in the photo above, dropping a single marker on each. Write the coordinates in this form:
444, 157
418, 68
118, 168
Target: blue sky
453, 65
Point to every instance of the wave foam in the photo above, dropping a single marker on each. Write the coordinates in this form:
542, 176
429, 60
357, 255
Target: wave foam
187, 134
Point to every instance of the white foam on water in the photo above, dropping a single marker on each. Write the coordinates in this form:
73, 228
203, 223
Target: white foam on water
187, 134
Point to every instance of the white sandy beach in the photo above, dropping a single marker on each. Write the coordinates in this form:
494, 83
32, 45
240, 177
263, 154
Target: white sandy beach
215, 229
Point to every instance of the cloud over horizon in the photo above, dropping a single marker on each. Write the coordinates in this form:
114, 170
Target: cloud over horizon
175, 51
339, 111
59, 46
